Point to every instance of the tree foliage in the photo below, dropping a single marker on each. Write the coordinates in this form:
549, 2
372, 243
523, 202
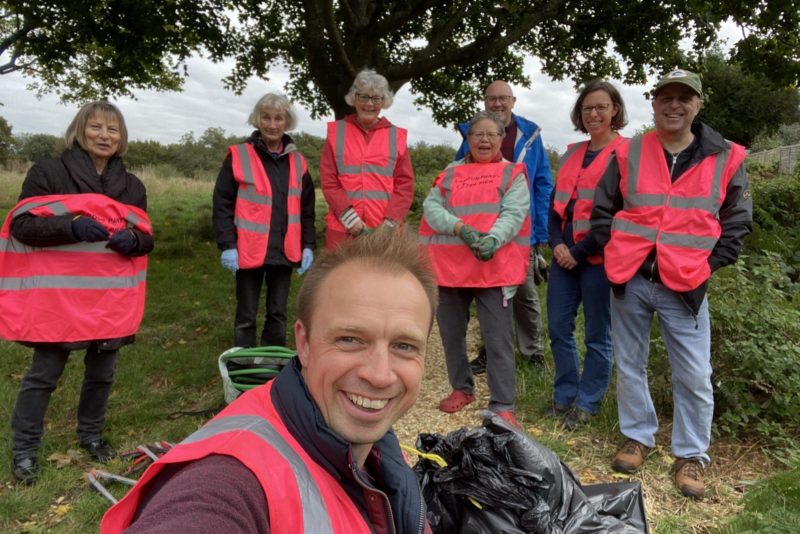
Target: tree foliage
447, 50
742, 105
84, 50
33, 147
6, 141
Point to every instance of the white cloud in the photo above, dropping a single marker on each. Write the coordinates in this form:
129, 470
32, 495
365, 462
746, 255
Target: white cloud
204, 103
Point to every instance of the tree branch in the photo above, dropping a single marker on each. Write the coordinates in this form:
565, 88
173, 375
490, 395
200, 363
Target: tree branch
475, 52
335, 37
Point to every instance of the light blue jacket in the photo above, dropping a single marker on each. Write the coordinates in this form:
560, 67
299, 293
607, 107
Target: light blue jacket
528, 149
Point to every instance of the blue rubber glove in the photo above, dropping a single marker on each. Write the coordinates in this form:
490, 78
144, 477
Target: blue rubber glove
124, 242
87, 229
306, 261
230, 260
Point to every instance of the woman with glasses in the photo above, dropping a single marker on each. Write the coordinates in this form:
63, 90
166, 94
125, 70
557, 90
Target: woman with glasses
476, 228
365, 168
577, 273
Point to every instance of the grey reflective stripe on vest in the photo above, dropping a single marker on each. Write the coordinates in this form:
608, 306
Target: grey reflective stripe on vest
622, 225
298, 172
633, 199
568, 154
581, 225
250, 226
585, 194
294, 219
506, 180
368, 195
474, 209
562, 196
315, 516
447, 184
686, 240
244, 161
72, 282
250, 195
98, 247
386, 170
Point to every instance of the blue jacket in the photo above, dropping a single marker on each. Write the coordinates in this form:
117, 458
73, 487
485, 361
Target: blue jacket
529, 149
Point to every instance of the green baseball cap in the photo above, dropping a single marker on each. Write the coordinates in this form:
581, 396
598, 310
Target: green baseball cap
680, 76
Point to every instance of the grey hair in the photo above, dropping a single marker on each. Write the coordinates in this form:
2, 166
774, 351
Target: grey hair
369, 81
494, 117
274, 101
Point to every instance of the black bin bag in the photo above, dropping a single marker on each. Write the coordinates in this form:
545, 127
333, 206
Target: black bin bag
520, 485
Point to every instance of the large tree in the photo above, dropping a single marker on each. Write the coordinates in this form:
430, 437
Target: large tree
743, 105
447, 50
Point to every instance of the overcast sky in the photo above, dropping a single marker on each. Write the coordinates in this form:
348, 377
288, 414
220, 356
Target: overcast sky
204, 103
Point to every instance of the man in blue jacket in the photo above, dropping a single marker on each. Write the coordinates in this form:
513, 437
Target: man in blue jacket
523, 144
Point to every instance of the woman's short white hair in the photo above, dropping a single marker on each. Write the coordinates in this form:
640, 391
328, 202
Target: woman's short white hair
274, 101
370, 82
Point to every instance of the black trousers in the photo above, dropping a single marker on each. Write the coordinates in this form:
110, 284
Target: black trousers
27, 421
248, 294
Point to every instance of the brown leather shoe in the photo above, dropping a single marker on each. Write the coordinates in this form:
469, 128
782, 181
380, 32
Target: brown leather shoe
689, 477
630, 457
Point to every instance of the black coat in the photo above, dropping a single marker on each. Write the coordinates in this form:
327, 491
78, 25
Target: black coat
277, 169
74, 173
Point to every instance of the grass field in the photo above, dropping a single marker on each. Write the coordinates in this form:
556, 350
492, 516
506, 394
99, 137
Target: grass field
168, 385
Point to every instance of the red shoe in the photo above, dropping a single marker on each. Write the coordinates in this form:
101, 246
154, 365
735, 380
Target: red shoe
508, 417
456, 401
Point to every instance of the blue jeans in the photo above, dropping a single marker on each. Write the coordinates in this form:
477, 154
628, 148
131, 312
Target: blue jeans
566, 289
688, 342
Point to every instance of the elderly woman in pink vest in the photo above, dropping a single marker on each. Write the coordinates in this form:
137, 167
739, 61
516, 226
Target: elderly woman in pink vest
264, 219
365, 169
476, 228
73, 269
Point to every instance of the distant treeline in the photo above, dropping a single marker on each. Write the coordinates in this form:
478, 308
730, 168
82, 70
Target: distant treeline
201, 157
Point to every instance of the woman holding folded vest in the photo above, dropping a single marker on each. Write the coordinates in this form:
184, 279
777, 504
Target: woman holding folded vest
365, 168
476, 228
264, 219
73, 268
577, 274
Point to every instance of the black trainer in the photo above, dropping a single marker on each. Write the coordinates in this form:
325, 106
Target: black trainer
100, 450
26, 470
478, 365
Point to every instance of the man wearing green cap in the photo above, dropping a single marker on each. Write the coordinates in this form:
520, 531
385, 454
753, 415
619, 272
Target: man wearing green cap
673, 207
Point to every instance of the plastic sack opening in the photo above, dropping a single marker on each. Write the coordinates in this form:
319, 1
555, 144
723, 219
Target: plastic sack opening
520, 485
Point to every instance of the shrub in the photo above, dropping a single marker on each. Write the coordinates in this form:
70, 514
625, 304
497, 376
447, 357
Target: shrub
755, 349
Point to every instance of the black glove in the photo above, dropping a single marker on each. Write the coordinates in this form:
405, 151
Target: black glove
124, 242
87, 229
541, 269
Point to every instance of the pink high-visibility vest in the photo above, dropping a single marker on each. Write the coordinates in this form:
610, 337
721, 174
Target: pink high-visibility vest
678, 218
76, 292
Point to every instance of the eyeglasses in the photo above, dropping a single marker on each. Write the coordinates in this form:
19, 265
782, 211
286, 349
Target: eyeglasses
503, 99
599, 108
366, 98
491, 136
